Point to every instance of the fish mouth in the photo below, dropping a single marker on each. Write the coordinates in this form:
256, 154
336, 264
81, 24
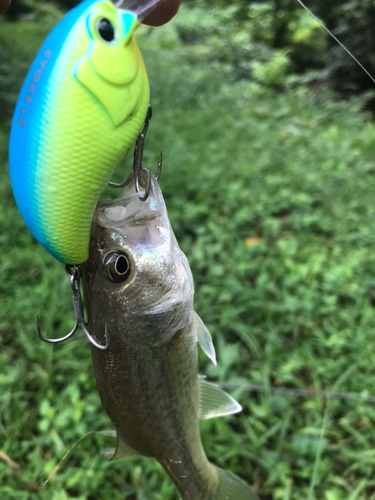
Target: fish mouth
129, 208
120, 210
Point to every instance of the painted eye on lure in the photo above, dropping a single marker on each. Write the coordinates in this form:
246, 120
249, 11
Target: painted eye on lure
118, 267
106, 30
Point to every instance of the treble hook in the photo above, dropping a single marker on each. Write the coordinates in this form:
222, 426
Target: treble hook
137, 163
74, 276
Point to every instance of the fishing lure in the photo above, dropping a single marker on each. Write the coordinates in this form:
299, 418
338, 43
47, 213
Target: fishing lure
139, 289
80, 109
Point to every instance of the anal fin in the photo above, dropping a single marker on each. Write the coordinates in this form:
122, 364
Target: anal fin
231, 488
122, 449
214, 402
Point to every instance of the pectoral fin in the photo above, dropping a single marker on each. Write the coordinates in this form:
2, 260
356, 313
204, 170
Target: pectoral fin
204, 339
122, 449
214, 402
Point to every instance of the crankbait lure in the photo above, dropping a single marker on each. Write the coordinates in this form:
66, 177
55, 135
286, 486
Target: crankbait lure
80, 110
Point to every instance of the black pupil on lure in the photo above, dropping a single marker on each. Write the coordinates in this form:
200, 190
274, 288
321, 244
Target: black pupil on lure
122, 265
106, 30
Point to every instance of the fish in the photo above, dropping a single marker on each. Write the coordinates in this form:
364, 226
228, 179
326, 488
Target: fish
139, 290
80, 109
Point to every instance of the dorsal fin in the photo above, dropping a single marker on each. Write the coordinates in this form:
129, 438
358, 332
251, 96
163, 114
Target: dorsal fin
214, 402
204, 338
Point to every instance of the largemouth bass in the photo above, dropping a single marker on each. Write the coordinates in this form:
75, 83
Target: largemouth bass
139, 289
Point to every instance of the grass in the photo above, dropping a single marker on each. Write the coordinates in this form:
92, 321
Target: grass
271, 196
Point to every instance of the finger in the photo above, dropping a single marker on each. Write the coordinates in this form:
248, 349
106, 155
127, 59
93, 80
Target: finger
4, 4
162, 13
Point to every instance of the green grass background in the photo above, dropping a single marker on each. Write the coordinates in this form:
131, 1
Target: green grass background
271, 196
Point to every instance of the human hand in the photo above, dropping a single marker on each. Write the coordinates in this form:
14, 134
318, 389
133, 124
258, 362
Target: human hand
160, 15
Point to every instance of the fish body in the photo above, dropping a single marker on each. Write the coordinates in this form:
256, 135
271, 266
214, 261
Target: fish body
80, 109
139, 288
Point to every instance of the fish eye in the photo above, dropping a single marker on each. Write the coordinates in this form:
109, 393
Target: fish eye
106, 30
118, 267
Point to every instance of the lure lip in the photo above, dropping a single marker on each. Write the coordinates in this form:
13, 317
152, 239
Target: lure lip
141, 8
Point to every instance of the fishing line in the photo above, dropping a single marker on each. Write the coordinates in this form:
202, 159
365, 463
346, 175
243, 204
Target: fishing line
336, 39
298, 392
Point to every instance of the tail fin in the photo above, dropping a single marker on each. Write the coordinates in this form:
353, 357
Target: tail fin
230, 487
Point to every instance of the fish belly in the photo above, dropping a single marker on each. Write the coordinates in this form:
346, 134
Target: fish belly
152, 397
